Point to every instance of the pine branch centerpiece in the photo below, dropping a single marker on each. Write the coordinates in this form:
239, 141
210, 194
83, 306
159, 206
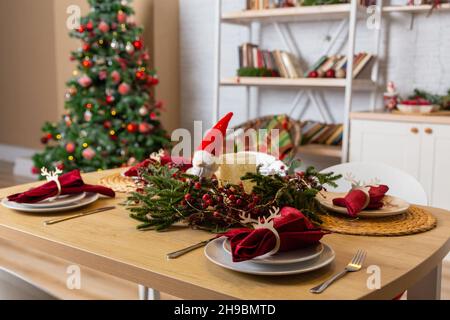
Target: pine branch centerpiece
172, 196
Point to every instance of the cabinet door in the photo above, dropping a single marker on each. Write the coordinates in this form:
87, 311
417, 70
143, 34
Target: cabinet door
393, 143
435, 166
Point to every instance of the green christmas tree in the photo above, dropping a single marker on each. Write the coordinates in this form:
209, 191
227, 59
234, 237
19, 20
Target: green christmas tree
111, 114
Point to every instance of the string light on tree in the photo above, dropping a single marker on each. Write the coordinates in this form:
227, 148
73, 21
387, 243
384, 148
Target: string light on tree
108, 97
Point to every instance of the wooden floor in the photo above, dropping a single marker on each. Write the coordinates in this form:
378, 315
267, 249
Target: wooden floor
50, 272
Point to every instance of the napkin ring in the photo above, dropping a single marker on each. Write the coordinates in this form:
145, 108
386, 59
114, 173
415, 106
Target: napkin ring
265, 223
52, 176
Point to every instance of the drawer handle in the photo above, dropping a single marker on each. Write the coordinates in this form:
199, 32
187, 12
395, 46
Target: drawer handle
429, 131
415, 130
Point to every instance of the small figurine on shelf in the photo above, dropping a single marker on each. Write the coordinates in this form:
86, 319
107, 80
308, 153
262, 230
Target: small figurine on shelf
390, 97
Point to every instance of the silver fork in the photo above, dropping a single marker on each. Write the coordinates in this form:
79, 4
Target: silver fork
353, 266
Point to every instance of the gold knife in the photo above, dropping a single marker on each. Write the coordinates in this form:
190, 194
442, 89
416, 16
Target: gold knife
179, 253
82, 214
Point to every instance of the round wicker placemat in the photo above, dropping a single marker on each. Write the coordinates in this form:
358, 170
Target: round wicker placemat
415, 220
119, 183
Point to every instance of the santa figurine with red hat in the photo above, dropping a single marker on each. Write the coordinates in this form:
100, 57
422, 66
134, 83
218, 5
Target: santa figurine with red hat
204, 161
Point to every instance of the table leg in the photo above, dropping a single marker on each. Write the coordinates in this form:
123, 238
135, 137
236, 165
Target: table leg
143, 292
427, 288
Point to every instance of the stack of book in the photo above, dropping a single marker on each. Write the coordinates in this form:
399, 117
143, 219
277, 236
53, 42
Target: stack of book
270, 4
314, 132
336, 66
280, 63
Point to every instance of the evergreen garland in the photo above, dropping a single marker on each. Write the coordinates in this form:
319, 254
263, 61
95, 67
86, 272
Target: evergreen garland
171, 196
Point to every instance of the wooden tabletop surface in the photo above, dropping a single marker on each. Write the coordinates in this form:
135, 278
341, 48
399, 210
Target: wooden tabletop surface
109, 242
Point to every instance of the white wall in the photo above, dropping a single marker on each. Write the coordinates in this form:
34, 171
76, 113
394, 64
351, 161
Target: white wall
412, 58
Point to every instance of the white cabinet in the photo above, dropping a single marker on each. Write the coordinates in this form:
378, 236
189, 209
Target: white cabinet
421, 149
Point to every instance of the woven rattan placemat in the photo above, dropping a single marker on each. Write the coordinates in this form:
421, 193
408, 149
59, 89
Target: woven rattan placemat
415, 220
119, 183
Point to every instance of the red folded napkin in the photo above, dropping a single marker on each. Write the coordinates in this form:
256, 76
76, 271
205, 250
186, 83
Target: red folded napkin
359, 199
71, 183
165, 159
295, 231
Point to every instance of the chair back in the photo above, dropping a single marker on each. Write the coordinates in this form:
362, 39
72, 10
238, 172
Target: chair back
401, 184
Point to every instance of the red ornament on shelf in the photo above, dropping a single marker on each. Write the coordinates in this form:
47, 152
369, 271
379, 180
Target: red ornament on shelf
132, 127
313, 74
138, 44
330, 74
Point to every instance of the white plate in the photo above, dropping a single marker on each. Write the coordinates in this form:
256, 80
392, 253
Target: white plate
88, 199
294, 256
215, 253
58, 202
392, 206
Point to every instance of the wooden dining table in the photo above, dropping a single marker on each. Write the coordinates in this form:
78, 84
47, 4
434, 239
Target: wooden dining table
109, 242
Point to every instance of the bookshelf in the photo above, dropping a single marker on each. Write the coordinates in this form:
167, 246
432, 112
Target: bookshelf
348, 14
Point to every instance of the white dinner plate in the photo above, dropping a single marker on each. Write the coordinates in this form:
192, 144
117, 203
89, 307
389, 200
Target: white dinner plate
88, 199
56, 202
392, 205
294, 256
215, 253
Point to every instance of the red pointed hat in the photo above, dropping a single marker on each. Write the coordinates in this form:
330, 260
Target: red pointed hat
221, 126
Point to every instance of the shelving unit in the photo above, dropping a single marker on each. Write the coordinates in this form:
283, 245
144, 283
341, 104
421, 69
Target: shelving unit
311, 88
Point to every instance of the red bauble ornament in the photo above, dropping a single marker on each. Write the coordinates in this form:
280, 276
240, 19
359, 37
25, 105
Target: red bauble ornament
49, 136
107, 124
152, 81
70, 147
145, 127
44, 140
86, 47
115, 76
81, 29
88, 153
330, 74
35, 170
121, 17
153, 116
132, 127
109, 99
87, 63
313, 74
138, 44
124, 88
90, 26
141, 75
60, 166
103, 27
85, 81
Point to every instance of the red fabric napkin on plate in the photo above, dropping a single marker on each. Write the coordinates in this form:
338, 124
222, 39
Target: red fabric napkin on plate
166, 159
358, 199
295, 231
71, 183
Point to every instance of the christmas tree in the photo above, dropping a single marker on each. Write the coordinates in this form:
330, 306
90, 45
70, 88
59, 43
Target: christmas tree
111, 115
